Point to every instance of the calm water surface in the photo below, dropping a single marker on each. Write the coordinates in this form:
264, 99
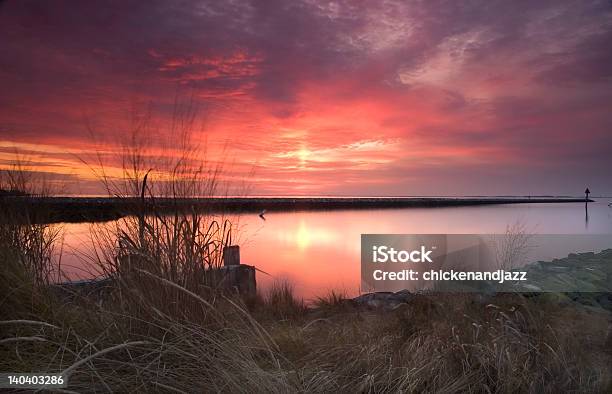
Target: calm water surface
320, 251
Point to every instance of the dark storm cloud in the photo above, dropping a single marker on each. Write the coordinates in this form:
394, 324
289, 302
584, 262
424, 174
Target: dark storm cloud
50, 45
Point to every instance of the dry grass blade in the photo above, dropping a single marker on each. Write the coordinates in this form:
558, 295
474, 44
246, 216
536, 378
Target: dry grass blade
68, 371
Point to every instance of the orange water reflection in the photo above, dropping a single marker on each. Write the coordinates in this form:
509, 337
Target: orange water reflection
320, 251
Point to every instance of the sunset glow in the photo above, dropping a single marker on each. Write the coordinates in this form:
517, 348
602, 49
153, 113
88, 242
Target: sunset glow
321, 98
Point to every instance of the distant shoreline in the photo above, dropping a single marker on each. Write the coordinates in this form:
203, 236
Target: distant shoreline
87, 209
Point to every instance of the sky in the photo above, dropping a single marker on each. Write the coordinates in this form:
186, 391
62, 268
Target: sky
310, 97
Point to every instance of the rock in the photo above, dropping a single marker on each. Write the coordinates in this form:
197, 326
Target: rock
560, 298
557, 268
401, 296
96, 289
385, 300
606, 254
529, 287
605, 300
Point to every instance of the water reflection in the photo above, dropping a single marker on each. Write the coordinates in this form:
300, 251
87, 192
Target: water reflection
586, 215
304, 236
320, 251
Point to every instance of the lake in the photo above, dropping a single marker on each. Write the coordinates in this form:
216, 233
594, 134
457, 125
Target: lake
317, 251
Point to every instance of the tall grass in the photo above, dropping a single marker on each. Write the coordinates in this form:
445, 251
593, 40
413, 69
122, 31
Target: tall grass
435, 343
448, 343
511, 249
20, 178
117, 349
163, 327
159, 169
30, 249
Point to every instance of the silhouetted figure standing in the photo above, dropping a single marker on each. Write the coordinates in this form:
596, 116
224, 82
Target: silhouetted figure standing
586, 194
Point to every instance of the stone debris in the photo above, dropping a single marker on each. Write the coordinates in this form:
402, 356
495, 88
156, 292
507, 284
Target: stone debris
583, 278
